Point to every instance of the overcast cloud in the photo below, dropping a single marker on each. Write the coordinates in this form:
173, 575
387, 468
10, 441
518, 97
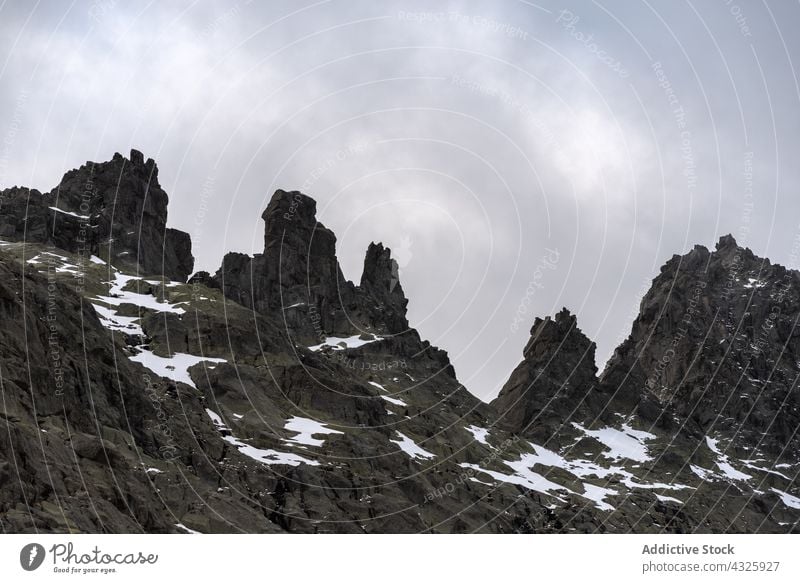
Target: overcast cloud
517, 157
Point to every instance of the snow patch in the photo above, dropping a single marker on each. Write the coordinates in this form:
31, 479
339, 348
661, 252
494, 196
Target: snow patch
582, 468
723, 462
410, 448
702, 473
530, 480
175, 368
626, 443
264, 456
597, 494
752, 282
162, 282
394, 401
71, 214
787, 499
113, 321
117, 296
479, 433
64, 267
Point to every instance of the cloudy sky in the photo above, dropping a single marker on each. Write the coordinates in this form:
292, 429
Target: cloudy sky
517, 156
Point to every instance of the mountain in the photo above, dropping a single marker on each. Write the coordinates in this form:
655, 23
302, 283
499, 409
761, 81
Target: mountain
116, 206
276, 396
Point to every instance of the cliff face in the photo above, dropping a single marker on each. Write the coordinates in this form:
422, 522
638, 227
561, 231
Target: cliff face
275, 396
114, 209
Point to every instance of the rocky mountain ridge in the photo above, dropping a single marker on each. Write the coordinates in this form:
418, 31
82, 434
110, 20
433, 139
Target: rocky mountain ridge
276, 396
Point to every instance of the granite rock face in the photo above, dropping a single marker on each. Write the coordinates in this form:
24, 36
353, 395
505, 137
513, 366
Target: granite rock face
298, 274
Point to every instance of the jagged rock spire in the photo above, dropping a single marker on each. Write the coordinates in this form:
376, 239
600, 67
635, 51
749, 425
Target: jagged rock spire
555, 382
115, 209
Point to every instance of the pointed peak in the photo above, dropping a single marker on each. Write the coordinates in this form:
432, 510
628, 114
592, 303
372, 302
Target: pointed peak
566, 316
381, 271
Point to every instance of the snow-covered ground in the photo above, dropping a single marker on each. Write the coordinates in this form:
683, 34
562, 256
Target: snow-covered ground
723, 462
59, 262
524, 474
788, 499
597, 494
175, 368
411, 448
118, 296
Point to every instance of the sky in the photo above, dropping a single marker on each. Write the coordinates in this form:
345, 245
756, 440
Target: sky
518, 157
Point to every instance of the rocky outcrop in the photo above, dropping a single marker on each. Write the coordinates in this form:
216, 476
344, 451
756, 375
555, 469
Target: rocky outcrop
275, 396
555, 384
115, 209
716, 348
298, 276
